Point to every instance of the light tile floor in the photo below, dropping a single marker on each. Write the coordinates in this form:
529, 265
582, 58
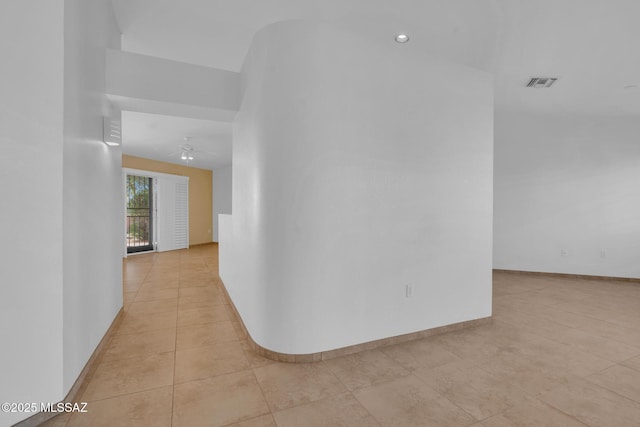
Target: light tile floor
560, 352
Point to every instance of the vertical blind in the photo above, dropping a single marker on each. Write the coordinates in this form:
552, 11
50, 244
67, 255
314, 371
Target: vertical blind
181, 215
173, 212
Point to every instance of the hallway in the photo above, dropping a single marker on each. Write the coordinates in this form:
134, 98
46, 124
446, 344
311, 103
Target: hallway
560, 351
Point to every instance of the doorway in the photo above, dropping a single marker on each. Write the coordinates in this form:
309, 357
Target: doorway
139, 215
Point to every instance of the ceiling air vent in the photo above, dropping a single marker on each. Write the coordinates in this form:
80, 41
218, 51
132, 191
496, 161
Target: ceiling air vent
540, 82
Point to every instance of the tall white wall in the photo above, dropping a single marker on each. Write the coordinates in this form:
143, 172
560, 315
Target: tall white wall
357, 170
31, 128
92, 190
61, 270
567, 184
221, 196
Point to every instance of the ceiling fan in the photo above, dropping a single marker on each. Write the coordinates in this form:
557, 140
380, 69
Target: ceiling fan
188, 153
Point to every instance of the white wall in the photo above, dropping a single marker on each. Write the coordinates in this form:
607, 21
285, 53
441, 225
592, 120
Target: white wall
357, 170
156, 85
221, 196
567, 183
31, 125
61, 272
92, 191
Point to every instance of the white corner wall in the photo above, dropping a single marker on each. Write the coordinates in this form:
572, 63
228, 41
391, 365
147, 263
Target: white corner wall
567, 185
221, 196
31, 97
357, 170
92, 190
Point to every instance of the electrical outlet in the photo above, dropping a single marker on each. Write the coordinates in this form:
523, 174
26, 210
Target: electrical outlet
603, 254
408, 291
563, 252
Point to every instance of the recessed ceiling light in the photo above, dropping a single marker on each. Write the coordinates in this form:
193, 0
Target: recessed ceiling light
402, 38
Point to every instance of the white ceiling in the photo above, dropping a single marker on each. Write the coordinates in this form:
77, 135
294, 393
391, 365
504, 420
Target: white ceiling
158, 137
591, 45
217, 33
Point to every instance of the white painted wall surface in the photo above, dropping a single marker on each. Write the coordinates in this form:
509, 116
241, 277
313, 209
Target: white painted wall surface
61, 273
92, 190
357, 170
567, 183
221, 196
31, 125
163, 86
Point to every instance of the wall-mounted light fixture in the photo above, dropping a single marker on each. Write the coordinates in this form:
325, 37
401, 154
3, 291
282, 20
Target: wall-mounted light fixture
112, 131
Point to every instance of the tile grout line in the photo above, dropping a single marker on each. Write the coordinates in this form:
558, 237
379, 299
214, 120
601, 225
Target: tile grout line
175, 347
153, 261
264, 397
610, 390
637, 356
573, 417
476, 420
351, 392
570, 344
129, 394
